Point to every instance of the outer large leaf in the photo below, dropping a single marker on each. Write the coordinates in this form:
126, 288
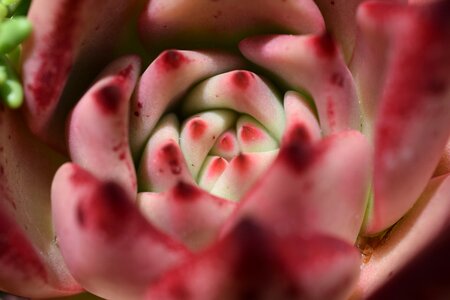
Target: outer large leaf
313, 186
30, 262
107, 244
412, 123
71, 42
223, 23
253, 263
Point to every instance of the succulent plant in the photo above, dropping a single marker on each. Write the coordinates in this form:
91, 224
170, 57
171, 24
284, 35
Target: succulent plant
186, 149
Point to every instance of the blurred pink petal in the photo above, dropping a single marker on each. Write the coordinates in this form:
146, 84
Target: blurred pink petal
253, 263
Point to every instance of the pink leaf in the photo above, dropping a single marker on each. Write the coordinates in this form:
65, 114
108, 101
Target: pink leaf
253, 263
164, 82
313, 186
312, 63
70, 38
98, 127
187, 213
413, 116
425, 225
169, 22
30, 262
107, 244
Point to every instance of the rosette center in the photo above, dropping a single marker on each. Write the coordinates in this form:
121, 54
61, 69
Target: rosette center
226, 134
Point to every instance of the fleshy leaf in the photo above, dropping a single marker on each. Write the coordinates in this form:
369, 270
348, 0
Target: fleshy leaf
299, 113
199, 134
186, 213
107, 244
167, 79
212, 169
226, 146
170, 23
241, 173
340, 21
413, 114
71, 42
312, 186
241, 91
253, 263
253, 137
30, 262
162, 164
98, 126
425, 225
312, 63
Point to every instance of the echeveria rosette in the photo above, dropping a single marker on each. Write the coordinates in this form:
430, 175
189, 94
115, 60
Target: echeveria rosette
291, 232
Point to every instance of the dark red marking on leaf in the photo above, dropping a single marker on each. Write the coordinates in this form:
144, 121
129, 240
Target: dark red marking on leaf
80, 177
241, 162
226, 143
297, 150
125, 72
217, 15
56, 58
80, 215
122, 155
108, 98
250, 133
197, 128
185, 192
172, 60
331, 112
257, 265
17, 253
325, 45
242, 79
435, 86
337, 79
105, 209
119, 146
179, 291
217, 167
171, 156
